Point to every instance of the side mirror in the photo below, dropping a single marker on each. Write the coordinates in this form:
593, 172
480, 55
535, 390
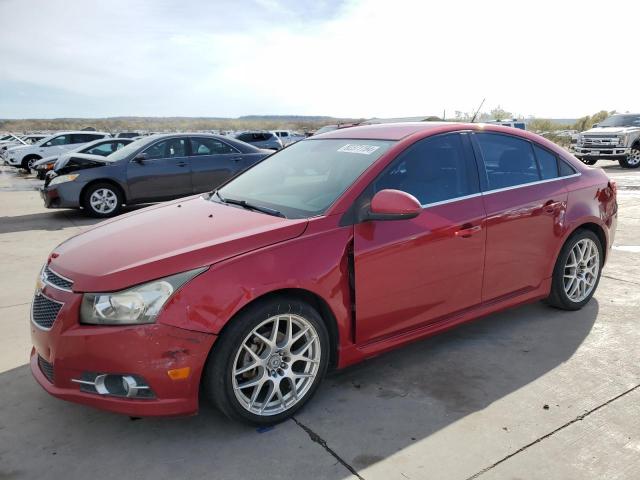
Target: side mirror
594, 125
393, 205
141, 157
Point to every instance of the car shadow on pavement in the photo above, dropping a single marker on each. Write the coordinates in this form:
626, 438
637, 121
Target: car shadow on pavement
364, 414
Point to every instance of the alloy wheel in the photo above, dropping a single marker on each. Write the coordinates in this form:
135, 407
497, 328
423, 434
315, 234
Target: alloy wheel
103, 200
581, 270
276, 364
634, 157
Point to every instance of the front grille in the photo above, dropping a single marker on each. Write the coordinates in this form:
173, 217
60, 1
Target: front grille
46, 368
44, 311
56, 280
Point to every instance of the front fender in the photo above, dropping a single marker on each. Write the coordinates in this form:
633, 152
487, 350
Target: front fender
315, 262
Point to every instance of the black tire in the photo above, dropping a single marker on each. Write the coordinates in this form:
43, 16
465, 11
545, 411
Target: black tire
558, 297
633, 160
217, 379
27, 161
589, 161
89, 208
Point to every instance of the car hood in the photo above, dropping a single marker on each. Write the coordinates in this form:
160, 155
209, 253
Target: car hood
79, 161
165, 239
18, 147
610, 130
46, 160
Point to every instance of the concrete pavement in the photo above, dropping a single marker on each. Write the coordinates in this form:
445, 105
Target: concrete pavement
528, 393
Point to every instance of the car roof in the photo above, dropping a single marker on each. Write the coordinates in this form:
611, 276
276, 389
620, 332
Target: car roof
398, 131
78, 131
384, 131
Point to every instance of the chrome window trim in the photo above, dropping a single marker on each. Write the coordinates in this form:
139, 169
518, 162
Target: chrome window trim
497, 190
45, 279
522, 185
31, 312
451, 200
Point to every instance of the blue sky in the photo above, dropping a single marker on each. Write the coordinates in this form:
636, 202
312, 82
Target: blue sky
352, 58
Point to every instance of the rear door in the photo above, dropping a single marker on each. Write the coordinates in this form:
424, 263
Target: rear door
525, 203
212, 163
164, 174
410, 273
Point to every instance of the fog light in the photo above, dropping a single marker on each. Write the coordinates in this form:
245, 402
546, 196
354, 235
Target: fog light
128, 386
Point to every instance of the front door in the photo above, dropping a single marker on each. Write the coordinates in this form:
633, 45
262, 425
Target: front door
409, 273
163, 174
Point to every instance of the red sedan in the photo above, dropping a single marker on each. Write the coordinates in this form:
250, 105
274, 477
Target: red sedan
331, 251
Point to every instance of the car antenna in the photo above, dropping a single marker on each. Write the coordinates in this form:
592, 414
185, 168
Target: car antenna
477, 111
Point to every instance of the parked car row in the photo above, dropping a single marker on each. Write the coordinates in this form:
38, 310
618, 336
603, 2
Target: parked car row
103, 148
99, 173
25, 156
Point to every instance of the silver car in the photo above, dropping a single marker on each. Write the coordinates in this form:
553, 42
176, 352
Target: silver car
261, 139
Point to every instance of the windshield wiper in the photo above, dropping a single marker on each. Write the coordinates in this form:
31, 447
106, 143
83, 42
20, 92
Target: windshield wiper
249, 206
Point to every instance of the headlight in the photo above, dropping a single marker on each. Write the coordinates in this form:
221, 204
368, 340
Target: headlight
580, 138
622, 139
64, 178
136, 305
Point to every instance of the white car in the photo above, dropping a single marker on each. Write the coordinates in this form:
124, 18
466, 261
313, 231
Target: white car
24, 156
288, 137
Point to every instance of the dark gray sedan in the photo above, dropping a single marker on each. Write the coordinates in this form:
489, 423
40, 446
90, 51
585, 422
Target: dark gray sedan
155, 168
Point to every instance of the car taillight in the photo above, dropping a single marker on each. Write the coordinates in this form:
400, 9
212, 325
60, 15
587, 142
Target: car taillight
614, 188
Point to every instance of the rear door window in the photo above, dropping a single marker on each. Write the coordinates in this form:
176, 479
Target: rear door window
508, 161
210, 146
432, 170
547, 162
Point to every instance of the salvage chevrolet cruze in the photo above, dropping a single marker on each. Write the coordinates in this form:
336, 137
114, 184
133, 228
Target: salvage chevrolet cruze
333, 250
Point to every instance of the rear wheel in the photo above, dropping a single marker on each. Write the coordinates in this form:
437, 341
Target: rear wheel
102, 200
577, 271
633, 160
268, 362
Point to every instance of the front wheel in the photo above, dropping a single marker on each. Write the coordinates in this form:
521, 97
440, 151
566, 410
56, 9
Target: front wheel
102, 200
633, 160
268, 362
577, 271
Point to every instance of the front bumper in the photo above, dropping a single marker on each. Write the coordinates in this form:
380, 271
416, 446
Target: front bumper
148, 351
611, 152
63, 195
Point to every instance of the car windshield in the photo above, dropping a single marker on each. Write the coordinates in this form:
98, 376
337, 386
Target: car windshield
621, 121
304, 179
127, 150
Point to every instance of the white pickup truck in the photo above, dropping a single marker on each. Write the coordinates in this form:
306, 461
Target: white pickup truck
616, 138
24, 156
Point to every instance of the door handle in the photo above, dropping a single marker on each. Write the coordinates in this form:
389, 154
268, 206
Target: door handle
551, 206
236, 159
467, 230
182, 164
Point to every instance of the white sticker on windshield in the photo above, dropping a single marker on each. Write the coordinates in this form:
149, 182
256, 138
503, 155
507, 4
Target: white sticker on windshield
362, 149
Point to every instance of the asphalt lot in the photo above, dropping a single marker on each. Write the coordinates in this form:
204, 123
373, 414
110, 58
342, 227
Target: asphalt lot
531, 393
